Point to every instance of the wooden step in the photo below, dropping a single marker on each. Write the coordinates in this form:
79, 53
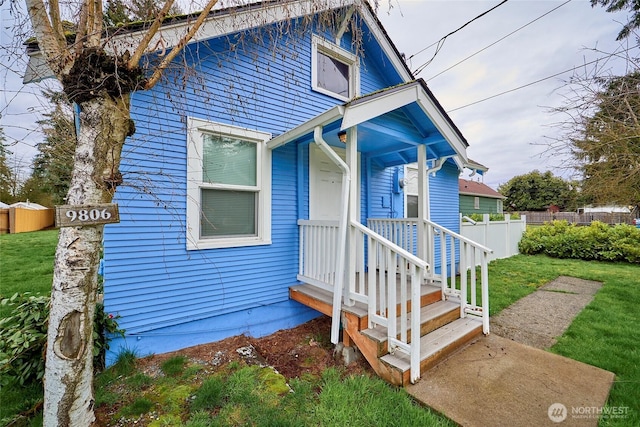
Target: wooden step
434, 347
432, 317
322, 300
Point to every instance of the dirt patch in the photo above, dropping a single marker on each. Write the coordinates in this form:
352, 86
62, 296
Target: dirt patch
297, 352
305, 349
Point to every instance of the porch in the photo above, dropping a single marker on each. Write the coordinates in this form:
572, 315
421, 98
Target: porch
383, 283
406, 291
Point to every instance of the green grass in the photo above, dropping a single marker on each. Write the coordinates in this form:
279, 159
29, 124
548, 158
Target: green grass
26, 263
360, 400
605, 334
174, 366
17, 399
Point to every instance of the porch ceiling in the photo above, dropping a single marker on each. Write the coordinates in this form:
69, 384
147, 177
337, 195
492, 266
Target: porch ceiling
391, 124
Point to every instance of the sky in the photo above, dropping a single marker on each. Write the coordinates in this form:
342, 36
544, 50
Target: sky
507, 133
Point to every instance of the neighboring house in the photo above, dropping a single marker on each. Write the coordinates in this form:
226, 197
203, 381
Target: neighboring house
253, 182
477, 197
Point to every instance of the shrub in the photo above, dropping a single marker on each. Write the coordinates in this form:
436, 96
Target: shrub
598, 241
105, 325
23, 337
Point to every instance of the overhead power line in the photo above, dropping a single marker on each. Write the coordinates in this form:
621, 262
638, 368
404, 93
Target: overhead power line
440, 42
498, 41
541, 80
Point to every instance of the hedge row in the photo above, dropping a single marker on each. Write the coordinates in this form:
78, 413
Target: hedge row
598, 241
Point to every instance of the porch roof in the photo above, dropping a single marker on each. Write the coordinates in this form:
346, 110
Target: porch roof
391, 124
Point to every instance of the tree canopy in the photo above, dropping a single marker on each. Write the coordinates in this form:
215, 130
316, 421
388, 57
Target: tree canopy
119, 12
536, 191
619, 5
606, 142
6, 176
53, 164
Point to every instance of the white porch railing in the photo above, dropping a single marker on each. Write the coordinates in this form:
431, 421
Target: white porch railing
384, 276
453, 253
318, 248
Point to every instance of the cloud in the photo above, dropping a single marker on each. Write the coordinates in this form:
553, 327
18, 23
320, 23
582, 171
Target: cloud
507, 133
503, 131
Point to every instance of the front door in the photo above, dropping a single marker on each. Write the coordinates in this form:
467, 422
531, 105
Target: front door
325, 184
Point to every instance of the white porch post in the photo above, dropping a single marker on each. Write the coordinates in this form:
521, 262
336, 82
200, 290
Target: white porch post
354, 214
341, 254
422, 201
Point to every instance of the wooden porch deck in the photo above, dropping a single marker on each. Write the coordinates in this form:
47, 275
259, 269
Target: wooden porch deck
442, 330
449, 316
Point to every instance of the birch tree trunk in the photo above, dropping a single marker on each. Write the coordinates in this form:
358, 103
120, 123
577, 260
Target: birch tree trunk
68, 382
101, 83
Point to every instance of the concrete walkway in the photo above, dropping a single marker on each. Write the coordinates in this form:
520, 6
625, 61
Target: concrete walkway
541, 317
496, 381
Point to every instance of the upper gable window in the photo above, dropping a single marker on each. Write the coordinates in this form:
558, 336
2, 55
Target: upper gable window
228, 186
334, 71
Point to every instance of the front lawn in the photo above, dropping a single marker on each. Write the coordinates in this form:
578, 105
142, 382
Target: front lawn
26, 263
605, 334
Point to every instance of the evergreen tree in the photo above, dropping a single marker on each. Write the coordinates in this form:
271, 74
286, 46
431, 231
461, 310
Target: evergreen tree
118, 12
6, 175
632, 6
53, 164
606, 142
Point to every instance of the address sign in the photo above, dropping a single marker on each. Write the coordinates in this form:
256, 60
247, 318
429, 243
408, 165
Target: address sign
78, 216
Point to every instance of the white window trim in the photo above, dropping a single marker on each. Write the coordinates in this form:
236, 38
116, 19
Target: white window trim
405, 190
330, 49
195, 129
476, 202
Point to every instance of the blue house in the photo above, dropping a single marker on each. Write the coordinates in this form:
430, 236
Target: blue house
264, 186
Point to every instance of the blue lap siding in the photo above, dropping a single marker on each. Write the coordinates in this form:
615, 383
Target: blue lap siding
169, 297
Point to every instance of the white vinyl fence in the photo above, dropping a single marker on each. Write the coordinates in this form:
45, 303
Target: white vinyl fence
501, 236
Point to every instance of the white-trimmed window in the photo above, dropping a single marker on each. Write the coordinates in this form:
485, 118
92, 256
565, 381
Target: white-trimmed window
476, 202
228, 186
411, 192
334, 71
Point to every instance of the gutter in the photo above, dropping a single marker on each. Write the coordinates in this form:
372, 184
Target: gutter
438, 165
342, 232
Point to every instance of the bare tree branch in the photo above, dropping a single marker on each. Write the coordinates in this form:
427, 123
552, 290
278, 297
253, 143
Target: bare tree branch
155, 77
144, 43
56, 54
95, 33
82, 29
56, 22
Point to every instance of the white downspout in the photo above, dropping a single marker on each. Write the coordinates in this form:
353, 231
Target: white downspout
342, 232
437, 165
